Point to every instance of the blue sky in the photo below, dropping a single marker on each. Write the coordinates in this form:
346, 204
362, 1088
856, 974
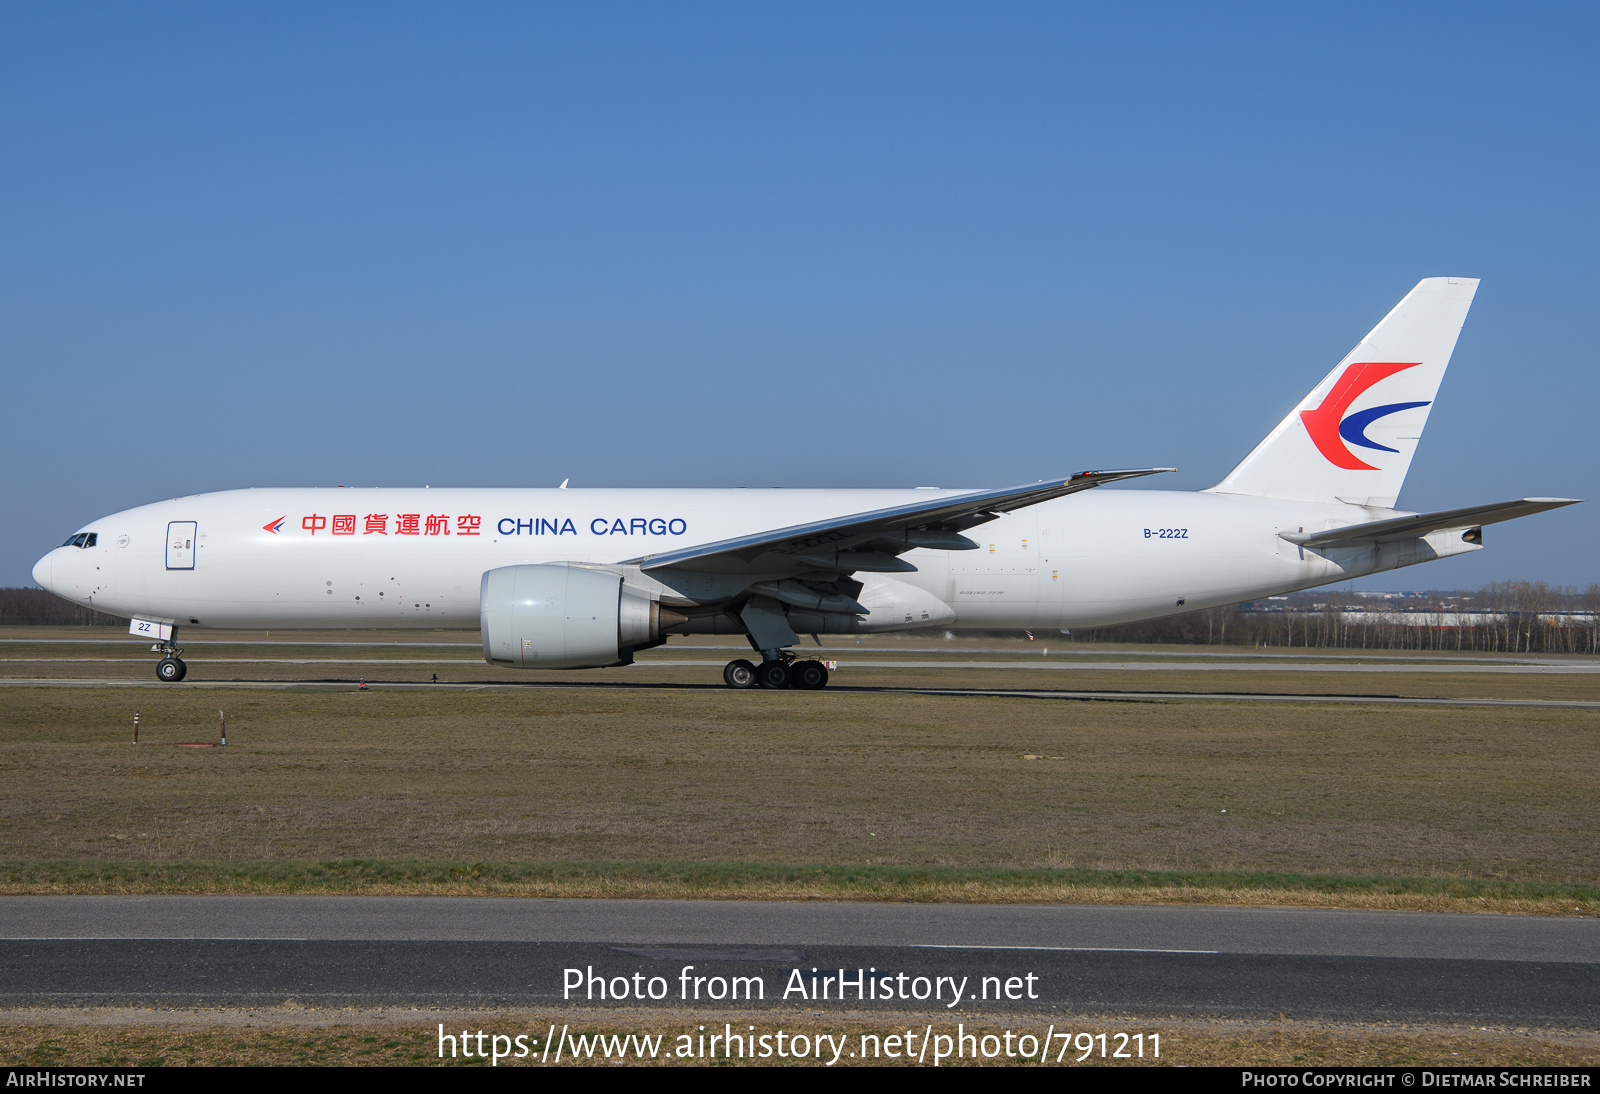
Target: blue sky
807, 245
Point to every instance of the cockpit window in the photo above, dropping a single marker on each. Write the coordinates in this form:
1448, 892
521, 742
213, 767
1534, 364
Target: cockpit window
92, 537
77, 540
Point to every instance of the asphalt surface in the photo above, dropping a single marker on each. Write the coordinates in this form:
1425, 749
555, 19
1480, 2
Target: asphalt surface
1581, 668
1198, 961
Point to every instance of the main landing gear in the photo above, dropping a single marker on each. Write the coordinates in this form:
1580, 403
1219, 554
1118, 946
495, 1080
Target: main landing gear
776, 673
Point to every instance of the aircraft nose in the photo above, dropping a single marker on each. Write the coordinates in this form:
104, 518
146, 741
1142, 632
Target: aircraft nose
41, 572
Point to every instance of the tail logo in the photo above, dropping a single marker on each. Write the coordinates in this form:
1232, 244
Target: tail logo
1328, 423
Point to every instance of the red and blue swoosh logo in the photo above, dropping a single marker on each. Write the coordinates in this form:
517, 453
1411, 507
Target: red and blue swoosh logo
1329, 426
273, 525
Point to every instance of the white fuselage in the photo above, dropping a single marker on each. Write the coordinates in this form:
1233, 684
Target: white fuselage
1091, 559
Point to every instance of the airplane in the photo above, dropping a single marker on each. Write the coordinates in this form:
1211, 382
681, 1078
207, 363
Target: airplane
572, 578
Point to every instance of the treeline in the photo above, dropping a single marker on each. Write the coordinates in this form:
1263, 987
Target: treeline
1504, 617
37, 608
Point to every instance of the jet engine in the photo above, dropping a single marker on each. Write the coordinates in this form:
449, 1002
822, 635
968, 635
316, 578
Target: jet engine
554, 616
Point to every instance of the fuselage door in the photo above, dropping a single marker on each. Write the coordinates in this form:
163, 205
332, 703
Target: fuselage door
998, 584
180, 544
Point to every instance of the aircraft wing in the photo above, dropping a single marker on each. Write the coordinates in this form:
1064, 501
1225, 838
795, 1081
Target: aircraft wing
1420, 524
872, 541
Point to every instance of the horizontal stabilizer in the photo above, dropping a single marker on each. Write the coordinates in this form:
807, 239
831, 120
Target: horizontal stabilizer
1420, 524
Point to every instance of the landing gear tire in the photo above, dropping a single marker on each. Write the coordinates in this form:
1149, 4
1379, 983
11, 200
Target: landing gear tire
170, 670
739, 674
774, 675
809, 675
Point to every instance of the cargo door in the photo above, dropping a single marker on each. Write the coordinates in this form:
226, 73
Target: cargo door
181, 538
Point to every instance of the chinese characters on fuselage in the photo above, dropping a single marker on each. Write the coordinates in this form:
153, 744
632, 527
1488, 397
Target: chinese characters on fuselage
471, 524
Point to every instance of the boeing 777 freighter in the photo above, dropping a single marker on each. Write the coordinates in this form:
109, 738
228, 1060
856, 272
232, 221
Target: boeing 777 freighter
586, 578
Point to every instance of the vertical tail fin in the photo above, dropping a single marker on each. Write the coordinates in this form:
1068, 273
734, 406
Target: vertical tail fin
1353, 437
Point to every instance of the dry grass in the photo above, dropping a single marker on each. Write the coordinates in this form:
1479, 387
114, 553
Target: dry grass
297, 1035
638, 778
745, 881
590, 775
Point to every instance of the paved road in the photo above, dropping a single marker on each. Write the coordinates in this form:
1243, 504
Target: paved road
1244, 697
710, 922
1428, 668
1136, 960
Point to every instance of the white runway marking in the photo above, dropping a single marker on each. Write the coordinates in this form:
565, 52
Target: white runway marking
1060, 949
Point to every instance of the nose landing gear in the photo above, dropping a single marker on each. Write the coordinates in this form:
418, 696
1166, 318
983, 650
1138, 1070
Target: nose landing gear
170, 669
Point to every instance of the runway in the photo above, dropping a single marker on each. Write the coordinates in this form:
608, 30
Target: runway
1582, 668
1173, 960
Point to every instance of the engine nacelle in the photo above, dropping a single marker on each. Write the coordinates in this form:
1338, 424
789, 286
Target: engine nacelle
563, 617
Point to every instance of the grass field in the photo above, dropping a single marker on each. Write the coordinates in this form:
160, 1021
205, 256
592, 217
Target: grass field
689, 789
